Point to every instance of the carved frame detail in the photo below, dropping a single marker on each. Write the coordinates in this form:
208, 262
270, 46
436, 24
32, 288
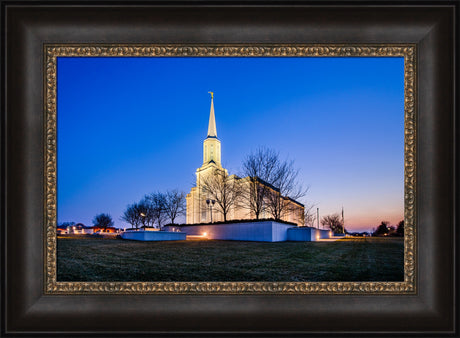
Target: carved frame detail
53, 51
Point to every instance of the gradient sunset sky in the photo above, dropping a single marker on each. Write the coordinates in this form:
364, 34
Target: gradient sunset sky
132, 126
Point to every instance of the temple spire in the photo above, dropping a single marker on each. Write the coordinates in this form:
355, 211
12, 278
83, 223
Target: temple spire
212, 132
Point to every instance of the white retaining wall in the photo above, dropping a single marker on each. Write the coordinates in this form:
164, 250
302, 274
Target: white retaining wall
268, 231
307, 234
153, 235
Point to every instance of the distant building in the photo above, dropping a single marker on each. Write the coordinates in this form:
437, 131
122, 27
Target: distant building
110, 230
81, 229
197, 208
77, 229
60, 230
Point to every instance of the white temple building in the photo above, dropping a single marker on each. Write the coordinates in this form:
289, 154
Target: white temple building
200, 208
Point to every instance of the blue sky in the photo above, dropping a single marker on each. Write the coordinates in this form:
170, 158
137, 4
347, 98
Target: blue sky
131, 126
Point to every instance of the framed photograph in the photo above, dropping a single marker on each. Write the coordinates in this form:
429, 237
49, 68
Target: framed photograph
200, 169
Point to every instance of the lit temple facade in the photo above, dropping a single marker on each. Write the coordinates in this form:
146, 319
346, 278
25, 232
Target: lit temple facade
199, 211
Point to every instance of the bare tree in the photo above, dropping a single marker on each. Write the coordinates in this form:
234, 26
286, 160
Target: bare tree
287, 188
157, 209
334, 222
174, 204
145, 211
223, 189
272, 184
103, 220
138, 214
132, 216
310, 215
260, 167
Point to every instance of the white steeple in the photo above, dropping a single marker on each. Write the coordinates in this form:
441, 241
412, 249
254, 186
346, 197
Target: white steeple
211, 145
212, 132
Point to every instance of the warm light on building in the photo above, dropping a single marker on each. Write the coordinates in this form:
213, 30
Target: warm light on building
205, 234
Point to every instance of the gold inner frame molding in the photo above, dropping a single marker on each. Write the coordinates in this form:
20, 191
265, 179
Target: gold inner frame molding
53, 51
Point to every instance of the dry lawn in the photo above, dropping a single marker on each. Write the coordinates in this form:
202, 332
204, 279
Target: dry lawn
96, 259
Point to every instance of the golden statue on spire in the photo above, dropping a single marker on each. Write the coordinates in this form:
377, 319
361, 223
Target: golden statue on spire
212, 94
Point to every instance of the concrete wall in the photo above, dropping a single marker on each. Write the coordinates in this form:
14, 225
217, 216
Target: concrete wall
268, 231
325, 234
307, 234
302, 234
153, 235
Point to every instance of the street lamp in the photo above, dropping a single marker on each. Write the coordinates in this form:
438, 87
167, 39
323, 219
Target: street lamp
210, 203
143, 219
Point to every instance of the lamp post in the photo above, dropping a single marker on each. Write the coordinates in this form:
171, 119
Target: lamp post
210, 203
317, 218
143, 219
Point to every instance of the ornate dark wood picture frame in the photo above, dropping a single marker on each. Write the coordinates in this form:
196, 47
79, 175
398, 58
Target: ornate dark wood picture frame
408, 52
36, 34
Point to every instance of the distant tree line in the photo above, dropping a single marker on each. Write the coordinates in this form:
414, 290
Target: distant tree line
155, 209
66, 224
335, 223
385, 229
102, 220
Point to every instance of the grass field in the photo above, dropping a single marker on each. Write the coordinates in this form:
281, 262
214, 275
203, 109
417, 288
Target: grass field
97, 259
361, 259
